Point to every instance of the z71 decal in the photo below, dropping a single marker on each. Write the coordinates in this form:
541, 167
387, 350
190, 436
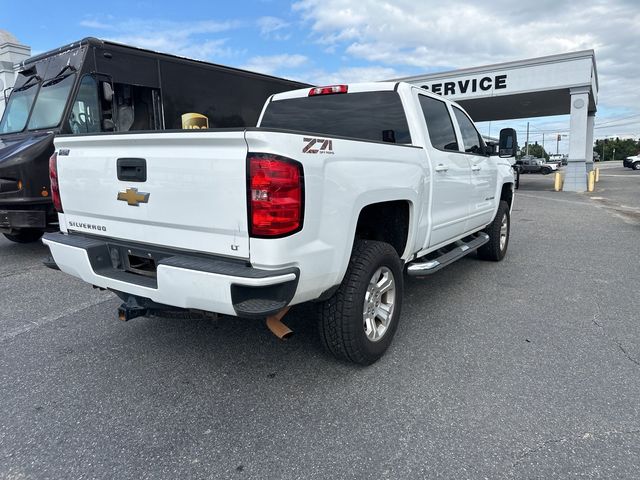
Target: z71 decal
318, 145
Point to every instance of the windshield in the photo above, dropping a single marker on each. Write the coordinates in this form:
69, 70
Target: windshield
18, 108
49, 106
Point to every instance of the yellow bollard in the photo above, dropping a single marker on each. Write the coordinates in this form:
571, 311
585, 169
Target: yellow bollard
597, 175
591, 181
557, 186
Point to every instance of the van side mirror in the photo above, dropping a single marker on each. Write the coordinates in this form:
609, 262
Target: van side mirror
107, 92
508, 145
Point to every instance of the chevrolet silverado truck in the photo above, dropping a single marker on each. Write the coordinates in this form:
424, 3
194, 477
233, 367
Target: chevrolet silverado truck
336, 193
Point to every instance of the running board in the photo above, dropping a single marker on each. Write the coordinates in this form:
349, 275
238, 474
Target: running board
427, 267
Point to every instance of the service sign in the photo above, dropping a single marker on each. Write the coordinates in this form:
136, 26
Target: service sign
472, 85
536, 77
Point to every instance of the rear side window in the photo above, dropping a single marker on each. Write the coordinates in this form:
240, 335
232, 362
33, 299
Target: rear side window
439, 124
377, 116
471, 138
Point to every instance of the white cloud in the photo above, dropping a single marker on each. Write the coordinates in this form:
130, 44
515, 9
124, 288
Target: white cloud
435, 36
274, 28
188, 39
350, 75
275, 64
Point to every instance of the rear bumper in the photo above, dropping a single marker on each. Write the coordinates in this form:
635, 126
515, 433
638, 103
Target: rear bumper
181, 279
13, 219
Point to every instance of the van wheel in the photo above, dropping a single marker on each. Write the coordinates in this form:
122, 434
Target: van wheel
498, 230
359, 321
25, 236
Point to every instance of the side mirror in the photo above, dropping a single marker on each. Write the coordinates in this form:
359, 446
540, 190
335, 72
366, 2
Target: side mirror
508, 143
490, 148
107, 92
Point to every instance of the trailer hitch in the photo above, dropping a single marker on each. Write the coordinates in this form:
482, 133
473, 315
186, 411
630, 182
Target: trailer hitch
131, 309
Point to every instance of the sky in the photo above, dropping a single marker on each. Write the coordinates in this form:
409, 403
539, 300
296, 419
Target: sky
339, 41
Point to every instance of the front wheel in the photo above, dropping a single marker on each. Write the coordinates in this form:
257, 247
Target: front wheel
636, 166
546, 171
498, 230
359, 321
25, 236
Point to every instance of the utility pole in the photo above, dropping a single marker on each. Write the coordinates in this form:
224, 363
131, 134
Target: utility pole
543, 143
557, 144
603, 149
527, 138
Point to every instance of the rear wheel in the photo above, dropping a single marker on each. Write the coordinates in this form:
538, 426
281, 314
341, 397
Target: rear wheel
25, 235
496, 248
359, 321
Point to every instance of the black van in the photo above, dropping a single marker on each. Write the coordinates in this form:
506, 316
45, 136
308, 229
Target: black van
99, 86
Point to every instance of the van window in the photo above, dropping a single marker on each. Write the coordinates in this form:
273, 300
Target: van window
439, 124
472, 140
377, 116
85, 114
50, 103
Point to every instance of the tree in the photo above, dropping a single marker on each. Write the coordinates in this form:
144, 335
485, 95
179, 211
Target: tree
535, 150
624, 147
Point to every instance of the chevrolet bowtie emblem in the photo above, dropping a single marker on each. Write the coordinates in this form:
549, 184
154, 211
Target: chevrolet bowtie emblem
132, 197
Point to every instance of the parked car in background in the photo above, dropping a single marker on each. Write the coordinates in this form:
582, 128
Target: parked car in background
559, 159
632, 162
530, 164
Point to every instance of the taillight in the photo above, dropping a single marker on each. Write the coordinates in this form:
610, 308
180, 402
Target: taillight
53, 177
275, 193
328, 90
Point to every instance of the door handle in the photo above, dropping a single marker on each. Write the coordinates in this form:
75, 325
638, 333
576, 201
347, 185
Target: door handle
132, 169
476, 168
441, 168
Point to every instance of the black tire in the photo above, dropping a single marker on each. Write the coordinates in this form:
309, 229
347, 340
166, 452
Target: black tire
546, 171
341, 320
636, 166
25, 236
493, 250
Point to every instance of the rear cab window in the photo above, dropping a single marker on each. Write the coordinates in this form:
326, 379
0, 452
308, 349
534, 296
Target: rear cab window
373, 116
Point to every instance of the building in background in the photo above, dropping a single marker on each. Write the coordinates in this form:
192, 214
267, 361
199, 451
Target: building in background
12, 52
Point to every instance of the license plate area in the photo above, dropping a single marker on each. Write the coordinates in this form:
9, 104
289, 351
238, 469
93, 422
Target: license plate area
141, 265
139, 261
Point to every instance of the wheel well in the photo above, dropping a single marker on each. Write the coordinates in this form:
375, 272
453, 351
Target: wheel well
385, 222
507, 193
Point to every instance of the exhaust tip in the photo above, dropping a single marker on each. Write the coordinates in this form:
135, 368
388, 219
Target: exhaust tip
279, 329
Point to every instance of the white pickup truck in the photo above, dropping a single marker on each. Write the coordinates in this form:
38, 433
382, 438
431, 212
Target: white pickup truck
336, 192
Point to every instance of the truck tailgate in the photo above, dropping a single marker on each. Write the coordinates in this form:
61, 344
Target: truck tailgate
193, 197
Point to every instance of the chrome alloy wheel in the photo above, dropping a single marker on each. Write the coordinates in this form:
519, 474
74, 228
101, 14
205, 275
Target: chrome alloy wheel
504, 230
379, 301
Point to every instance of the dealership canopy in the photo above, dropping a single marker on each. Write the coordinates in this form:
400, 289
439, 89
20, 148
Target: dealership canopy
537, 87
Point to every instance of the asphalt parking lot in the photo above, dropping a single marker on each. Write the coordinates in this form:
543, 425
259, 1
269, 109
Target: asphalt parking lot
528, 368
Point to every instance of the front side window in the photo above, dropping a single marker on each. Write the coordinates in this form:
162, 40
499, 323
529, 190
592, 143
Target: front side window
377, 116
18, 107
49, 106
472, 140
85, 113
439, 124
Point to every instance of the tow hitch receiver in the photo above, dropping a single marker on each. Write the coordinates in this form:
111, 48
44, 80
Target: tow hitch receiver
131, 309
